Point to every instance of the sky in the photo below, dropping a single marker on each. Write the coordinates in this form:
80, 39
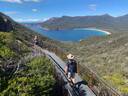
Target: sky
40, 10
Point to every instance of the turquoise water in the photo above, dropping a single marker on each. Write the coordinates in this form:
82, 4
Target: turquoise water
67, 35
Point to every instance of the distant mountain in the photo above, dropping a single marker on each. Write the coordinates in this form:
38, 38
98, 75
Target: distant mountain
30, 24
105, 22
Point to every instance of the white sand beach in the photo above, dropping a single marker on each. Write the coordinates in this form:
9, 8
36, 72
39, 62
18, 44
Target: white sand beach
108, 33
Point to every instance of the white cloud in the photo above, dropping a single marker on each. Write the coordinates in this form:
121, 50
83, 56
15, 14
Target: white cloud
92, 7
10, 12
27, 20
12, 1
31, 0
20, 1
34, 10
45, 19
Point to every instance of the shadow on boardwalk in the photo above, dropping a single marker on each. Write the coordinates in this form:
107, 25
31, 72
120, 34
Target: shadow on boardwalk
79, 86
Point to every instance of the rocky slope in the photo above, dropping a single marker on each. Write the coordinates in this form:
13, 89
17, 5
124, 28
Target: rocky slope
5, 23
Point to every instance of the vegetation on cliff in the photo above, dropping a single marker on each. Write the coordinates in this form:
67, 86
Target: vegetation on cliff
106, 56
34, 77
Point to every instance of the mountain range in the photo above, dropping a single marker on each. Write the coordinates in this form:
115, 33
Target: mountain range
104, 22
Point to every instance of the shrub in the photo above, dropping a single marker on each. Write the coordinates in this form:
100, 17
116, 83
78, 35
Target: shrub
6, 38
37, 80
6, 52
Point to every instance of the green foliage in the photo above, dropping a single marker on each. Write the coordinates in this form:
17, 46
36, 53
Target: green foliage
36, 81
6, 52
10, 47
39, 65
40, 81
6, 38
17, 86
106, 56
118, 81
115, 78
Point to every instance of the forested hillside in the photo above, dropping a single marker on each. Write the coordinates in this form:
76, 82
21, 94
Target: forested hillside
20, 76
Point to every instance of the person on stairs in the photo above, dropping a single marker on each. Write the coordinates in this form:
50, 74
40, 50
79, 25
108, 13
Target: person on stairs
35, 43
71, 68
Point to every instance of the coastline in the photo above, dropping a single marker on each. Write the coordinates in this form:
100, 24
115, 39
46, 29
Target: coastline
91, 28
108, 33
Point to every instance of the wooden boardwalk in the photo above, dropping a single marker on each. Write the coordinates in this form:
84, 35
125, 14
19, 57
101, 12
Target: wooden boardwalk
83, 89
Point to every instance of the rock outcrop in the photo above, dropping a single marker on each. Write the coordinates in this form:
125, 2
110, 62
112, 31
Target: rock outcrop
6, 23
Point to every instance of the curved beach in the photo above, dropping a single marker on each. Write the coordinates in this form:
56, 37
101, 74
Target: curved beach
108, 33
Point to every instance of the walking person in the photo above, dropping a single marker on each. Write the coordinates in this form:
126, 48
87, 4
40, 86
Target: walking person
35, 42
71, 68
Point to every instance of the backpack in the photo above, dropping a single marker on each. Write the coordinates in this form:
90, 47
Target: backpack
72, 66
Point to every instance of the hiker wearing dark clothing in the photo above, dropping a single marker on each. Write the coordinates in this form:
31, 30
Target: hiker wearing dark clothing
71, 68
35, 41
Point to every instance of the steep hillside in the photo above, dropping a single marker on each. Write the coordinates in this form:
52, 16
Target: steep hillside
106, 56
15, 47
104, 22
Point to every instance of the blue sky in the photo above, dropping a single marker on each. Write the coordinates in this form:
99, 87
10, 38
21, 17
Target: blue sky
39, 10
